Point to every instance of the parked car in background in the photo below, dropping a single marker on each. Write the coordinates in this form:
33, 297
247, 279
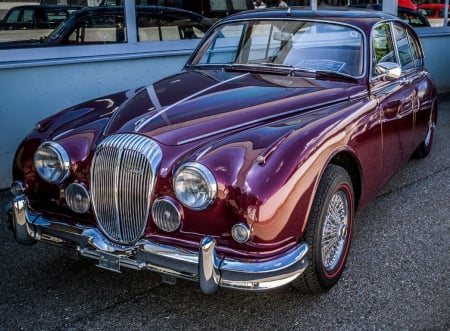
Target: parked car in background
210, 8
35, 17
434, 13
246, 169
104, 25
32, 21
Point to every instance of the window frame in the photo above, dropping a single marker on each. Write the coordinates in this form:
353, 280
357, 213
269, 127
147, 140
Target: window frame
373, 75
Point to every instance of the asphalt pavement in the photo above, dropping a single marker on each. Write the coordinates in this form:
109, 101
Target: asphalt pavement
397, 276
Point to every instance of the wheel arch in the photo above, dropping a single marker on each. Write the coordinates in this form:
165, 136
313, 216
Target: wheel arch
347, 161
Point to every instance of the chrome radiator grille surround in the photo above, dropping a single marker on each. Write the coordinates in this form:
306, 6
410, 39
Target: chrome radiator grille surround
123, 175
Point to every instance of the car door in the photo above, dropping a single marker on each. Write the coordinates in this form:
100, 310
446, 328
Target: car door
417, 78
396, 101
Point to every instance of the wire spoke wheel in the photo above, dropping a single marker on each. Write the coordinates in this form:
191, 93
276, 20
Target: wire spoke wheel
328, 232
335, 231
425, 146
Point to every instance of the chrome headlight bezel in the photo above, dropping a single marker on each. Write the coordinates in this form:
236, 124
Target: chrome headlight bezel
195, 186
52, 162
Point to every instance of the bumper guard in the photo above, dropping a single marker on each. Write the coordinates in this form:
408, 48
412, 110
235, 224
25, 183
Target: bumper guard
203, 266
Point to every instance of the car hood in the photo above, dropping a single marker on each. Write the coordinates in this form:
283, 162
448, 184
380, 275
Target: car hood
194, 104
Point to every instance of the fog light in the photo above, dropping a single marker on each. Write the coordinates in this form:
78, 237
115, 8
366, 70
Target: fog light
17, 188
241, 233
166, 214
77, 198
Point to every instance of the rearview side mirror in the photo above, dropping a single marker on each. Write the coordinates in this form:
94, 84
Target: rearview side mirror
389, 70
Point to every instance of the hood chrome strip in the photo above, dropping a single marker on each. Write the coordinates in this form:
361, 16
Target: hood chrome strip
164, 110
154, 97
262, 119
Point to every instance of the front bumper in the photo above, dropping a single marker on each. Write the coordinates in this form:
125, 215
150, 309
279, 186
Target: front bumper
203, 266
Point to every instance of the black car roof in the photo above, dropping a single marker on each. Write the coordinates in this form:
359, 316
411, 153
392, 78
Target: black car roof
46, 7
114, 9
360, 18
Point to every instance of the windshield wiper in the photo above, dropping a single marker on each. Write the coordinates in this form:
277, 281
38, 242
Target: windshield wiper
334, 74
260, 67
276, 65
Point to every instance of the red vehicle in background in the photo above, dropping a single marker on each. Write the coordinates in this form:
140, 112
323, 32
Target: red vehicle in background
407, 3
434, 12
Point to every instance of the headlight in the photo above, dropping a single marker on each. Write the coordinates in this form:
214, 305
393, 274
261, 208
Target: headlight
52, 162
195, 186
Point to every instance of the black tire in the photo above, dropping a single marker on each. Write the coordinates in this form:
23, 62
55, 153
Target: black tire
331, 219
424, 148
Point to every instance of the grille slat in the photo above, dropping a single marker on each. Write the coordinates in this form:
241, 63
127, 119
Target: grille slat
123, 174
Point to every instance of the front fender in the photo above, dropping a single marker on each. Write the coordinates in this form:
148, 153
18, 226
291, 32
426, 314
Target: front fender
268, 175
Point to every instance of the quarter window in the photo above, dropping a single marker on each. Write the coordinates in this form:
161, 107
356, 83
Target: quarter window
407, 58
408, 50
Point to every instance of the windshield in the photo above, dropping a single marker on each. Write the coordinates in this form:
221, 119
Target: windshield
303, 45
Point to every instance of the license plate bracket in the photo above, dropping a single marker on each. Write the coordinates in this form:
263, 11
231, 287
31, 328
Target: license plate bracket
109, 261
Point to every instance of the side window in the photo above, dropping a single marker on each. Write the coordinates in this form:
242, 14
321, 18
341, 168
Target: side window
156, 26
382, 46
99, 29
407, 58
416, 50
148, 27
55, 17
28, 16
13, 16
408, 48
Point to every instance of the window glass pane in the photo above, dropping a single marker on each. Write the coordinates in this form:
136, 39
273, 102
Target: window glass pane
415, 51
97, 28
169, 25
218, 5
383, 47
404, 50
55, 17
240, 5
28, 16
13, 16
223, 46
298, 44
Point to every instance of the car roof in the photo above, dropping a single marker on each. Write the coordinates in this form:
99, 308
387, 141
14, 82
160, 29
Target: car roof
114, 9
361, 18
46, 7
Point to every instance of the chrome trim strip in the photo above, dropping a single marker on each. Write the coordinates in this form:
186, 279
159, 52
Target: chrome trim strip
262, 119
164, 110
203, 265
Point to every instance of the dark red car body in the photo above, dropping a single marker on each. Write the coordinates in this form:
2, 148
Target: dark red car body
267, 137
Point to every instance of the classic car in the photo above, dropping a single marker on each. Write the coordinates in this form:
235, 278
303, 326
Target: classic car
106, 25
246, 169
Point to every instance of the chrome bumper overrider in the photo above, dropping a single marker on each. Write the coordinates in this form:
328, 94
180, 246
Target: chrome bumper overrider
203, 266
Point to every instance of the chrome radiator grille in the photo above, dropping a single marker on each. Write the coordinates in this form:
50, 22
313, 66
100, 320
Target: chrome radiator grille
123, 175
